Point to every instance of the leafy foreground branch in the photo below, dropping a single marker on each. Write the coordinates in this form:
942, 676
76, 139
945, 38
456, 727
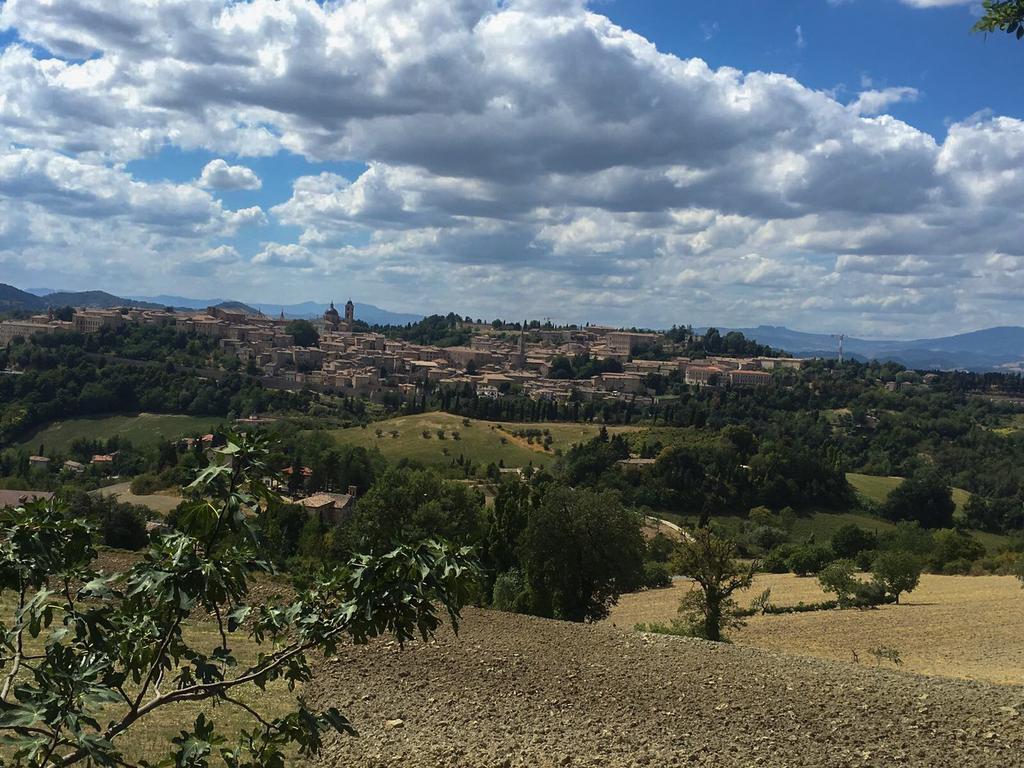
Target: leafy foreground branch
87, 656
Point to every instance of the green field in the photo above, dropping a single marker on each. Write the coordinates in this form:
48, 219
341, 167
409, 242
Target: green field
877, 489
819, 525
141, 429
483, 442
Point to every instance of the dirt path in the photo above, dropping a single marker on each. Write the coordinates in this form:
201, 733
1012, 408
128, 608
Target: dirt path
517, 691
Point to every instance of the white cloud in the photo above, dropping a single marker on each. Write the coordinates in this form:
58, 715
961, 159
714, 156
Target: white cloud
874, 102
937, 3
528, 154
217, 174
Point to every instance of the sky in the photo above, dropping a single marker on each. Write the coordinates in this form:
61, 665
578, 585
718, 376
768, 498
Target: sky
830, 165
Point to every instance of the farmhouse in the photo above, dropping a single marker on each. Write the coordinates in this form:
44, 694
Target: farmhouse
332, 508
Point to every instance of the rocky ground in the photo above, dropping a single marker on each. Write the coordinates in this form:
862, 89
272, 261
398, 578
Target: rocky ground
519, 691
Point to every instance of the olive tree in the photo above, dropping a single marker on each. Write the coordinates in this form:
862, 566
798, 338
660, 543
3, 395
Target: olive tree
87, 656
711, 562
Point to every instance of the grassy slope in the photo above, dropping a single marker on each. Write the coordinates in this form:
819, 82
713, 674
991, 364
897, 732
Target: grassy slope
480, 441
142, 429
878, 488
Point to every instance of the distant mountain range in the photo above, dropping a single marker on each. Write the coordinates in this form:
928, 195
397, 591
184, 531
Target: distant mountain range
1000, 348
39, 299
991, 349
368, 313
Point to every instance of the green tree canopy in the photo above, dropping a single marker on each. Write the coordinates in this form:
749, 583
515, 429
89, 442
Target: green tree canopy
923, 497
1004, 16
303, 332
581, 550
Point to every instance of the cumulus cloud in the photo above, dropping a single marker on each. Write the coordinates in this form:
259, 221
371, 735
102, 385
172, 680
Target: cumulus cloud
873, 102
527, 153
217, 174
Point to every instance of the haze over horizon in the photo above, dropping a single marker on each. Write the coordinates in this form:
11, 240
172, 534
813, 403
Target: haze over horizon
830, 166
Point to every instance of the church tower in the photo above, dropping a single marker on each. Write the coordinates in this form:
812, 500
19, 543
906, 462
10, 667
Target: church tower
350, 312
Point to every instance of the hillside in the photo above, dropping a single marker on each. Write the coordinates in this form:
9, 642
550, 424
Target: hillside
987, 349
142, 429
94, 300
12, 298
518, 691
368, 313
482, 441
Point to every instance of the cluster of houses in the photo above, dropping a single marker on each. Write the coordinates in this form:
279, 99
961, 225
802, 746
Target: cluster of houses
367, 364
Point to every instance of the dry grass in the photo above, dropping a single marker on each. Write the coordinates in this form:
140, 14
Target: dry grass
162, 502
955, 626
150, 739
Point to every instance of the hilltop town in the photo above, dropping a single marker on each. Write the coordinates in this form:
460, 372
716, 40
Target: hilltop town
353, 360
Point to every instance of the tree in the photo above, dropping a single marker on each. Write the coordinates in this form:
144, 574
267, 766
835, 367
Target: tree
1003, 15
923, 497
507, 524
408, 505
954, 551
580, 551
837, 578
304, 333
110, 649
850, 540
897, 572
809, 558
711, 562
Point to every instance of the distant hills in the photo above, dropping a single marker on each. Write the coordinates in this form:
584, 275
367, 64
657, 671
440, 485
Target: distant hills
34, 301
12, 298
368, 313
38, 299
990, 349
1000, 348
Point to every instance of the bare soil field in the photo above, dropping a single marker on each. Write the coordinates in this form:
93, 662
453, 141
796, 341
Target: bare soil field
515, 691
957, 626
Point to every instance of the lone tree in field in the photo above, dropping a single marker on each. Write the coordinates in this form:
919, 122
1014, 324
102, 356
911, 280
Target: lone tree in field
897, 572
87, 656
711, 562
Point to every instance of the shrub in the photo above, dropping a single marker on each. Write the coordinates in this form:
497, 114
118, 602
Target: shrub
765, 538
509, 589
837, 578
777, 560
145, 484
761, 517
657, 575
660, 548
954, 547
123, 527
809, 559
676, 627
959, 567
865, 559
